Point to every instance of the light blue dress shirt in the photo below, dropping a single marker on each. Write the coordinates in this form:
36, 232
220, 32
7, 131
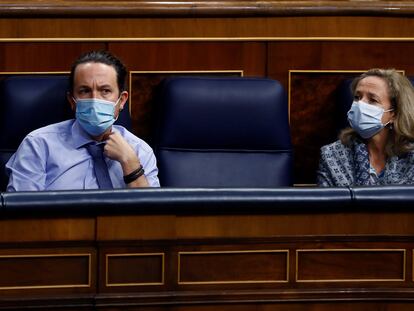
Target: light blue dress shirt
54, 158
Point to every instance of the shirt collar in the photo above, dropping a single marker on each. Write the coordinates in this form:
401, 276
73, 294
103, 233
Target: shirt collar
81, 137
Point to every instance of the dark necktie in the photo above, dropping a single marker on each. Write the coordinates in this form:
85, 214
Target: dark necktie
99, 166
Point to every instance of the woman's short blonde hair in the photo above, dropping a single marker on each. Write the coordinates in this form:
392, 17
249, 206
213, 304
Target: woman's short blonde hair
401, 95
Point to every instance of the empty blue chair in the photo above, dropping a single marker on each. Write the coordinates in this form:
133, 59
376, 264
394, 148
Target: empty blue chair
223, 132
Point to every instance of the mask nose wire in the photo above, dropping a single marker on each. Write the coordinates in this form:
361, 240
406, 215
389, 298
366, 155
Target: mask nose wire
116, 103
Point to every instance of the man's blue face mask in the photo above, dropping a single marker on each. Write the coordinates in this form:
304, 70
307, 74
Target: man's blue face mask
365, 119
95, 115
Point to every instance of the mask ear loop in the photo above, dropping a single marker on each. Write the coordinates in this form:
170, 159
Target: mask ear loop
389, 123
116, 103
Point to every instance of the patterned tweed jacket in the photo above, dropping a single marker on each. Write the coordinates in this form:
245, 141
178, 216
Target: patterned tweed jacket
349, 166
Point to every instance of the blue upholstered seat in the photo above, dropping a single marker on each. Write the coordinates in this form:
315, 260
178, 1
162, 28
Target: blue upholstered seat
29, 102
223, 132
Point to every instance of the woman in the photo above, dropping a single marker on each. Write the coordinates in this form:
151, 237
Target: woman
378, 149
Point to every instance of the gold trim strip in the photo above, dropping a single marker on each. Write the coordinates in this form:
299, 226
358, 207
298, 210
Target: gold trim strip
185, 71
350, 250
52, 286
107, 284
206, 39
34, 73
332, 71
232, 252
412, 265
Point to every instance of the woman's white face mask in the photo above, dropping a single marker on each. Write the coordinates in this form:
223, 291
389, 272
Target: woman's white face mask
366, 119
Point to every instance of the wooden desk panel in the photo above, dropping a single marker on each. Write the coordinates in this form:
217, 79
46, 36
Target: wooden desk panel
47, 230
171, 227
316, 260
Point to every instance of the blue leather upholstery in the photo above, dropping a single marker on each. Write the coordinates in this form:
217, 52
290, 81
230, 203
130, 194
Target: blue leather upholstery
30, 102
393, 199
175, 200
344, 99
378, 198
223, 132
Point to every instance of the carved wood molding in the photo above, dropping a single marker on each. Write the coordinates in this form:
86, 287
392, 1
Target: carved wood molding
243, 8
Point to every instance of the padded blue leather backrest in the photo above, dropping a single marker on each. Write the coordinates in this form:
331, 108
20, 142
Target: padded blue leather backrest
30, 102
223, 132
344, 99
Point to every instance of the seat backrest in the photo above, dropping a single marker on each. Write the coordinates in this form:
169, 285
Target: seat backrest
344, 99
223, 132
29, 102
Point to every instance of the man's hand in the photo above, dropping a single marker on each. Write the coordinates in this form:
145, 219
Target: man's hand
118, 149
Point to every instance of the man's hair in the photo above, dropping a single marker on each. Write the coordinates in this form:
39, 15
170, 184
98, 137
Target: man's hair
401, 94
102, 57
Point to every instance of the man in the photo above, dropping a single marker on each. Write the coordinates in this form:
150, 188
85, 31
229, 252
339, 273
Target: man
79, 153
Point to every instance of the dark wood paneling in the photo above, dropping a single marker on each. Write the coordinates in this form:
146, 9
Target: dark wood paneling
148, 227
33, 57
225, 259
347, 265
170, 227
233, 267
325, 55
199, 56
134, 269
45, 271
226, 27
12, 230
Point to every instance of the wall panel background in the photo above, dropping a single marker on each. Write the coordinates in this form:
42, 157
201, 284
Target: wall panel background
266, 39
